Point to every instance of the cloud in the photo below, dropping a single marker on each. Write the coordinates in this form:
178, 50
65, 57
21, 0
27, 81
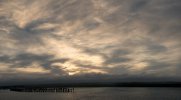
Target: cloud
111, 37
31, 63
118, 56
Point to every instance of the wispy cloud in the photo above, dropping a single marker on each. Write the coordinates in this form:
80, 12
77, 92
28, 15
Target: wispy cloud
78, 37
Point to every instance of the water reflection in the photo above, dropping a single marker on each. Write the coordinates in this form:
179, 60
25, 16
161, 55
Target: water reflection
99, 94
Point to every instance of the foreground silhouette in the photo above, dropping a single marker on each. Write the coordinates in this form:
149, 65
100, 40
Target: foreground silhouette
69, 87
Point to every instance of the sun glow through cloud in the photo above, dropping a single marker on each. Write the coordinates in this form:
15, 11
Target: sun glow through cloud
61, 38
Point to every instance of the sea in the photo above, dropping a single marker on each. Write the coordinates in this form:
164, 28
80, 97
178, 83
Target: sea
100, 93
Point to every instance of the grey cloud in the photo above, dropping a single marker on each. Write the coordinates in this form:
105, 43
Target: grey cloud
161, 19
118, 56
156, 48
158, 16
84, 65
116, 60
138, 5
71, 10
90, 25
115, 57
119, 70
26, 60
155, 65
119, 31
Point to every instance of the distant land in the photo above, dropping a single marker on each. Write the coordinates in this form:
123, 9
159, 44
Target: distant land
98, 84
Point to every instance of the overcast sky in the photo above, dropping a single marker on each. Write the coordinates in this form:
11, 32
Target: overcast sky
89, 39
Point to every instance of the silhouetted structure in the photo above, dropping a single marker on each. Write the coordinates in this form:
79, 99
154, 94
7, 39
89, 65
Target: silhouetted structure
43, 89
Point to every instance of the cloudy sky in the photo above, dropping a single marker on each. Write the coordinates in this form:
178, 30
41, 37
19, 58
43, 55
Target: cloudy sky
89, 39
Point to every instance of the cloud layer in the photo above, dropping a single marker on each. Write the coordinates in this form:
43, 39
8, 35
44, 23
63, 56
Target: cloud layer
60, 38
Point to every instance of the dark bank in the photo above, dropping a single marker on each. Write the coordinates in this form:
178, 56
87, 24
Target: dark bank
69, 87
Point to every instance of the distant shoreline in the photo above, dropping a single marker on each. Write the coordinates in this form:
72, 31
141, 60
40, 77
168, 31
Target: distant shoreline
118, 84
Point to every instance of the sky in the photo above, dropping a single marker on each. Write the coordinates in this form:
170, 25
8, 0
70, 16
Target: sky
88, 40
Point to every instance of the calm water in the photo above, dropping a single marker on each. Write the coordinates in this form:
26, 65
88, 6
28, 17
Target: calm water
99, 94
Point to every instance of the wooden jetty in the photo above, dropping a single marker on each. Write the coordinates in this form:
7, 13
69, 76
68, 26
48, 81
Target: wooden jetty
62, 89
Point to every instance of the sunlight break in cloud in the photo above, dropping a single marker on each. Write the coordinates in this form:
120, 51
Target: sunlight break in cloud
61, 38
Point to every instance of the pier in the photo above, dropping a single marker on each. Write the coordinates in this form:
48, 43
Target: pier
62, 89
